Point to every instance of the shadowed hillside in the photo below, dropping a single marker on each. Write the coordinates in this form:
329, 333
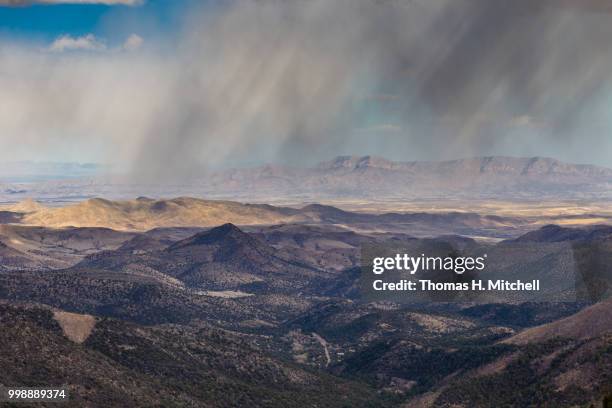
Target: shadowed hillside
122, 364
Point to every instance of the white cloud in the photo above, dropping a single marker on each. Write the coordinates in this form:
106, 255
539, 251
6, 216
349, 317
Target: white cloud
15, 3
85, 43
133, 42
90, 42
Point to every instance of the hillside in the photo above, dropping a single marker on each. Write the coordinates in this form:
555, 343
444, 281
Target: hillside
556, 233
115, 363
144, 214
12, 259
591, 322
221, 258
28, 247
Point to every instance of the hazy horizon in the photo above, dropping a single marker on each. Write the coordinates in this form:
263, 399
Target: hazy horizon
29, 170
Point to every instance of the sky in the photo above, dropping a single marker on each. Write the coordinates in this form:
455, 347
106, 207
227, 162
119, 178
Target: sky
45, 22
171, 88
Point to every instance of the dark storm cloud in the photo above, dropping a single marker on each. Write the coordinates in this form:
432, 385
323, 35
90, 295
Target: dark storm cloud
480, 65
536, 51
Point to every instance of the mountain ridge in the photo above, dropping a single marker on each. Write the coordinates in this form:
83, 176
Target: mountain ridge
590, 322
354, 177
142, 215
376, 177
522, 165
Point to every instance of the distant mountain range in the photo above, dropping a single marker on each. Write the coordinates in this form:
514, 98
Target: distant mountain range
375, 177
342, 178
